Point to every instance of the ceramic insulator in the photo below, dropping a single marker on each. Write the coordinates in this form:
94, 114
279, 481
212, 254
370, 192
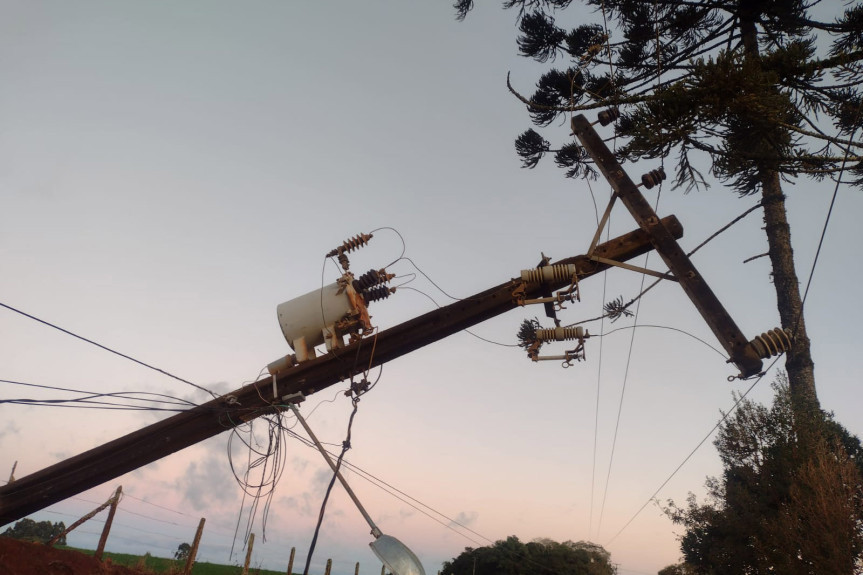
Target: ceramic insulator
772, 342
560, 333
549, 274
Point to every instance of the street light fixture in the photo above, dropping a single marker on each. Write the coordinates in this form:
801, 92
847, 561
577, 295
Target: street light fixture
394, 554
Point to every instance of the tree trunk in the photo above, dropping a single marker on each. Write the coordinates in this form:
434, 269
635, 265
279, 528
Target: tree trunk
798, 363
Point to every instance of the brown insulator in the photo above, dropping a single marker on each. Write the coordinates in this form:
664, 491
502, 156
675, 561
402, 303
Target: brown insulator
343, 260
351, 244
369, 279
608, 115
652, 178
377, 293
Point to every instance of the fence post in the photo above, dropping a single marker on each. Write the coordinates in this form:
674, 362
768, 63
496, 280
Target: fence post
80, 521
190, 560
249, 554
105, 530
329, 566
12, 473
383, 569
291, 561
357, 569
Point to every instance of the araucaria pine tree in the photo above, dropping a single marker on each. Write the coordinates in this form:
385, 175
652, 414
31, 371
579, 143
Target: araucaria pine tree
760, 92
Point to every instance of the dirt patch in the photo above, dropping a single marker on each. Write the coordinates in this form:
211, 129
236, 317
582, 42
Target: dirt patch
24, 558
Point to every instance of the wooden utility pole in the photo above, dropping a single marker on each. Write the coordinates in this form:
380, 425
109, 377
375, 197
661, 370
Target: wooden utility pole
249, 554
193, 552
105, 462
742, 352
107, 528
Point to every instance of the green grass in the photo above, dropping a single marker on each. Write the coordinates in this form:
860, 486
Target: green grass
164, 565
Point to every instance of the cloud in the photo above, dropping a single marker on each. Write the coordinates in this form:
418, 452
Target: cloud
9, 429
199, 396
301, 503
299, 465
465, 518
321, 479
207, 482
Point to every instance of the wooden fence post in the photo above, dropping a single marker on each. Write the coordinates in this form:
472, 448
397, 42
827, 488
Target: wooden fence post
383, 569
80, 521
105, 530
357, 569
249, 554
190, 560
329, 567
291, 561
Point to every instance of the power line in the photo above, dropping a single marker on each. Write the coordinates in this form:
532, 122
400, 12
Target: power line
479, 337
88, 401
625, 379
678, 330
826, 223
691, 453
737, 403
108, 349
620, 405
155, 505
599, 366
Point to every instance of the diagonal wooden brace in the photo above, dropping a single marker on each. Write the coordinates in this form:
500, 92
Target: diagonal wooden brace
741, 352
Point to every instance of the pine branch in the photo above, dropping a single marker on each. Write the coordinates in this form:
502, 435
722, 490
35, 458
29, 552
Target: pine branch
821, 135
527, 332
615, 309
590, 106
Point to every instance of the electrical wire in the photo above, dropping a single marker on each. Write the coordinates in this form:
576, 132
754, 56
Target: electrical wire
710, 238
407, 499
268, 468
156, 505
88, 399
599, 365
625, 380
177, 400
762, 374
345, 446
464, 330
398, 494
404, 246
678, 330
431, 281
696, 448
826, 224
108, 349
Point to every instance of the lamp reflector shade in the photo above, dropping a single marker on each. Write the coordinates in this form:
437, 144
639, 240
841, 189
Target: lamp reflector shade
395, 555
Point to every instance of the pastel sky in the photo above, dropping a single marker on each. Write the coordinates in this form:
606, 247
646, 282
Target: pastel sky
171, 171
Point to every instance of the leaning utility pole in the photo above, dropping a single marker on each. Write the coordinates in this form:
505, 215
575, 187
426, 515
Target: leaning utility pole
747, 355
105, 462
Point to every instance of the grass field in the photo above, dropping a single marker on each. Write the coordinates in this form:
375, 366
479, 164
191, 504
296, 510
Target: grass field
170, 566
